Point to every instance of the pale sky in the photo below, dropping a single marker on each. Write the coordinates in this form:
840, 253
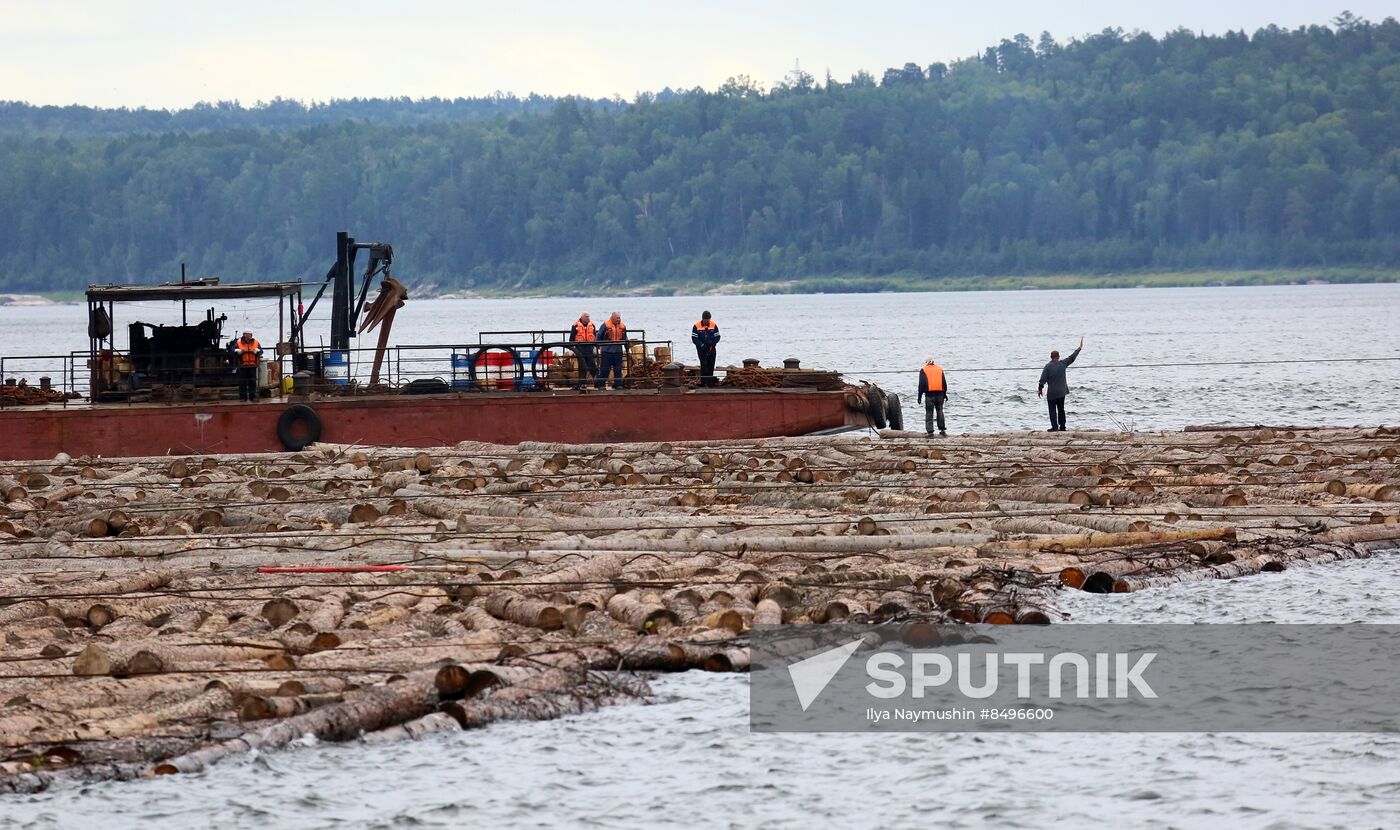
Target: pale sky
173, 53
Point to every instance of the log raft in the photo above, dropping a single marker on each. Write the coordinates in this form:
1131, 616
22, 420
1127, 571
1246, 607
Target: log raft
162, 613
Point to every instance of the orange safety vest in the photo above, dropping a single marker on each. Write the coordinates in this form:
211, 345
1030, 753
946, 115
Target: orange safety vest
585, 334
248, 352
706, 324
611, 332
933, 373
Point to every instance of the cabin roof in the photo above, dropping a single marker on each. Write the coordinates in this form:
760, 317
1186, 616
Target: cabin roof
192, 291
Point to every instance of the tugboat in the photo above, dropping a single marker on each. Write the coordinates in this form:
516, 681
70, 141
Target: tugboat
173, 389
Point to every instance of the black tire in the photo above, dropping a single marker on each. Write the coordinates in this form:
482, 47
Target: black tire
894, 411
542, 380
877, 407
427, 386
296, 438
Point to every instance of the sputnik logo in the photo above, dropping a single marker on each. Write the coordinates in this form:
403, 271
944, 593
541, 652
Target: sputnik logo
811, 676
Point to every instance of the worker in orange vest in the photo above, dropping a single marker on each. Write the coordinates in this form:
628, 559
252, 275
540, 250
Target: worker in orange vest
934, 384
705, 336
249, 351
613, 335
584, 333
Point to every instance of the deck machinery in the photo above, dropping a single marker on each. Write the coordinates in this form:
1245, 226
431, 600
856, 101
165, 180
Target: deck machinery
187, 356
201, 356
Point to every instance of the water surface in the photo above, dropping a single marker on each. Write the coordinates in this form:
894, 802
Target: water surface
884, 338
690, 760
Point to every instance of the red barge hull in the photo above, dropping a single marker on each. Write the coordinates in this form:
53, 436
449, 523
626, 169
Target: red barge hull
113, 430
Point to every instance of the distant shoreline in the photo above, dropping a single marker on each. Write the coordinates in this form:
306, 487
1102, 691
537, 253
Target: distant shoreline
18, 300
903, 283
892, 284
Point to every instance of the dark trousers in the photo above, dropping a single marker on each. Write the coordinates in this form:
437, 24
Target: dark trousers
611, 363
707, 365
933, 408
587, 364
247, 383
1057, 413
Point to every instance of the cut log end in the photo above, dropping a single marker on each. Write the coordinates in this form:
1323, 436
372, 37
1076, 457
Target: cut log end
280, 611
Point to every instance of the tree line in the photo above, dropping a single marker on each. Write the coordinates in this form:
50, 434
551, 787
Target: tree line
1107, 153
76, 121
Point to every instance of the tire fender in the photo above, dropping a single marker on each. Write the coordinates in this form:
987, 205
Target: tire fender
292, 440
894, 411
877, 407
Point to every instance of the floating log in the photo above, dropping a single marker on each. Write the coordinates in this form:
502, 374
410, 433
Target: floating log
643, 613
280, 611
494, 580
523, 610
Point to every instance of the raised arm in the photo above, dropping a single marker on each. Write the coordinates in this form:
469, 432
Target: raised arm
1073, 355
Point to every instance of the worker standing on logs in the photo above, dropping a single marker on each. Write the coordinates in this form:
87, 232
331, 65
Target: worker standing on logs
933, 383
249, 351
584, 333
1052, 378
613, 335
705, 336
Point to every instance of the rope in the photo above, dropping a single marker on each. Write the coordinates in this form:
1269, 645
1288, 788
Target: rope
1174, 364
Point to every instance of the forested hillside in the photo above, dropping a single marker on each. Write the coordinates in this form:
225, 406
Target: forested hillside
77, 122
1114, 152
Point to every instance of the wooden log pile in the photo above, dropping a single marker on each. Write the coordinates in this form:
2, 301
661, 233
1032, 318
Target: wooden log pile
159, 614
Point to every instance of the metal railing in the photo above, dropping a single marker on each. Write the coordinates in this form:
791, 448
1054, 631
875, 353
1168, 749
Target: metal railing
521, 360
539, 363
62, 370
73, 372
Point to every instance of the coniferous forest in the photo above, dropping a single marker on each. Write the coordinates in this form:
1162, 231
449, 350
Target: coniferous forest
1110, 153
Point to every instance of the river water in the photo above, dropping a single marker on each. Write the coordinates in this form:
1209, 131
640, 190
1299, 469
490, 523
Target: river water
690, 760
884, 338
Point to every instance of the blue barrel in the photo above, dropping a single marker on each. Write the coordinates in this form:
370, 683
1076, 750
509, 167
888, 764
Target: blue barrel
335, 367
461, 370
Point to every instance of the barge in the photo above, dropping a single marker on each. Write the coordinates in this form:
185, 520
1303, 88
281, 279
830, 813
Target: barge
171, 389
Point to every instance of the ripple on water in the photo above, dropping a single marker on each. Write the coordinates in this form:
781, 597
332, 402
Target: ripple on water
690, 761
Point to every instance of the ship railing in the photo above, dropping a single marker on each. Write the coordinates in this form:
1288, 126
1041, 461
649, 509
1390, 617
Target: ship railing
33, 370
540, 337
531, 360
71, 373
500, 364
